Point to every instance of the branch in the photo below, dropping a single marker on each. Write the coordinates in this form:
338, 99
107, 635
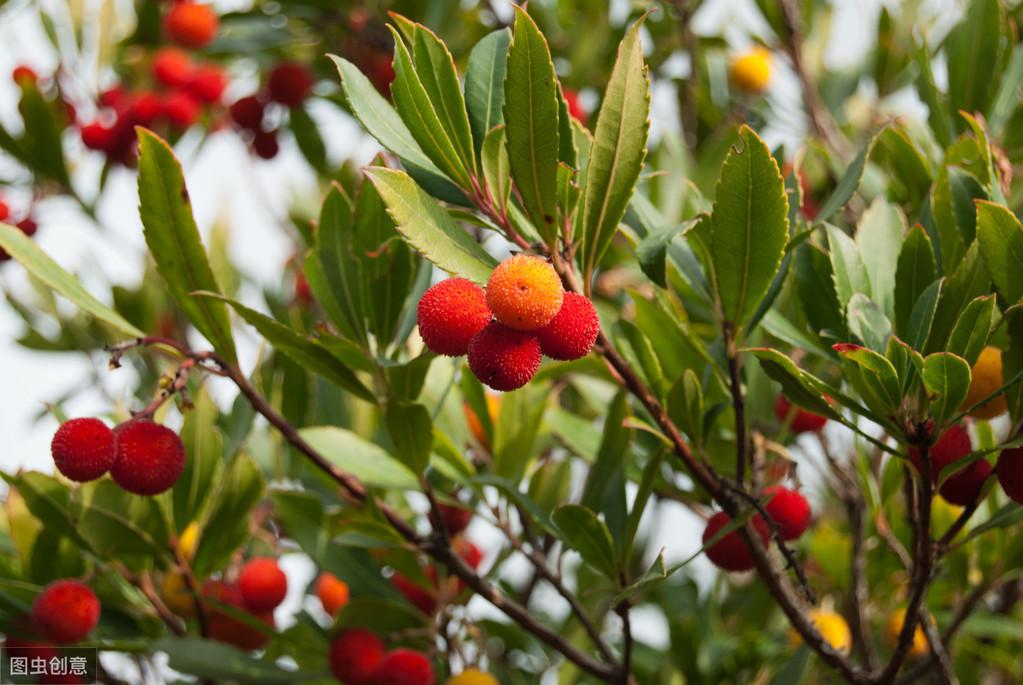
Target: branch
738, 405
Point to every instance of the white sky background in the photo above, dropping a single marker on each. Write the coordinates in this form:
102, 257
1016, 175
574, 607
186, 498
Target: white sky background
225, 183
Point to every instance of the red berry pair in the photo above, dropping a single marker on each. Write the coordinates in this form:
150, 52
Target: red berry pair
965, 485
142, 457
788, 510
425, 598
359, 657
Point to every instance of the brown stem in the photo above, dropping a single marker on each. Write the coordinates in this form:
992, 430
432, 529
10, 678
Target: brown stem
738, 404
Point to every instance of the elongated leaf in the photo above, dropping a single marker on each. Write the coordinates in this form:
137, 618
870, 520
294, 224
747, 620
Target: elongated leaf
585, 533
847, 264
685, 406
365, 460
531, 119
428, 228
974, 47
915, 271
1001, 243
41, 141
873, 376
340, 269
815, 283
412, 432
879, 236
937, 108
208, 659
116, 523
484, 83
968, 281
40, 265
971, 331
846, 187
618, 150
921, 320
800, 387
749, 227
173, 240
226, 527
947, 379
496, 166
204, 447
868, 323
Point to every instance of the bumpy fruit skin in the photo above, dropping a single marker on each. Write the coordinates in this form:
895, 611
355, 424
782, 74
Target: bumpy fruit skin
450, 314
66, 611
1010, 473
150, 457
355, 656
289, 83
802, 421
228, 629
332, 592
987, 378
247, 113
83, 449
730, 552
191, 25
503, 358
832, 628
405, 667
472, 676
789, 510
919, 646
524, 292
263, 585
175, 594
964, 486
751, 71
573, 330
172, 67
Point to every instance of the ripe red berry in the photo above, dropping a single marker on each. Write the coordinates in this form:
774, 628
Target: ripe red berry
265, 144
24, 75
450, 314
963, 487
802, 421
405, 667
263, 585
191, 25
332, 592
954, 444
5, 211
575, 108
172, 67
1010, 473
96, 136
150, 457
418, 596
456, 518
247, 113
141, 109
730, 552
789, 510
28, 226
112, 97
355, 656
573, 330
66, 611
207, 83
83, 449
181, 109
289, 83
381, 73
503, 358
228, 629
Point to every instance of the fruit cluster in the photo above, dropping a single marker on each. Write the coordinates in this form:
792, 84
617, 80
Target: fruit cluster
288, 84
430, 597
359, 657
788, 510
260, 588
142, 457
523, 314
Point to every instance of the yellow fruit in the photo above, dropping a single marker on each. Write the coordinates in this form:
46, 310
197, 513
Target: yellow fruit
471, 676
475, 425
174, 593
919, 647
188, 541
751, 71
832, 627
987, 378
524, 292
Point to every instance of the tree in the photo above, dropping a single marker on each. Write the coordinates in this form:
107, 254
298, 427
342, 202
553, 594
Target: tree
715, 314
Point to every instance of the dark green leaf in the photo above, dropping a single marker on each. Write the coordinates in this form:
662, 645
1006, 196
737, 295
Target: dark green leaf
484, 83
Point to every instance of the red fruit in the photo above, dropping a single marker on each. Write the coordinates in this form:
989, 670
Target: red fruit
181, 109
803, 421
191, 24
421, 598
382, 74
503, 358
954, 444
66, 611
5, 211
112, 97
23, 75
83, 449
173, 67
405, 667
789, 510
456, 518
303, 293
150, 457
263, 585
470, 553
207, 83
575, 109
247, 113
450, 314
572, 331
730, 552
963, 487
96, 136
228, 629
289, 83
141, 109
355, 656
333, 592
1010, 473
265, 144
28, 226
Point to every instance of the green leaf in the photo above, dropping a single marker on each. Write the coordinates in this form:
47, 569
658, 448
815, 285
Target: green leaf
368, 462
41, 141
307, 136
937, 108
305, 352
947, 380
868, 323
749, 227
1001, 243
496, 166
652, 250
973, 53
685, 406
908, 172
815, 283
968, 281
846, 187
879, 236
916, 270
618, 150
794, 668
921, 320
411, 430
214, 660
972, 328
341, 271
428, 228
484, 83
531, 119
174, 242
873, 376
39, 264
227, 522
47, 499
604, 491
204, 447
116, 523
847, 265
585, 533
800, 387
